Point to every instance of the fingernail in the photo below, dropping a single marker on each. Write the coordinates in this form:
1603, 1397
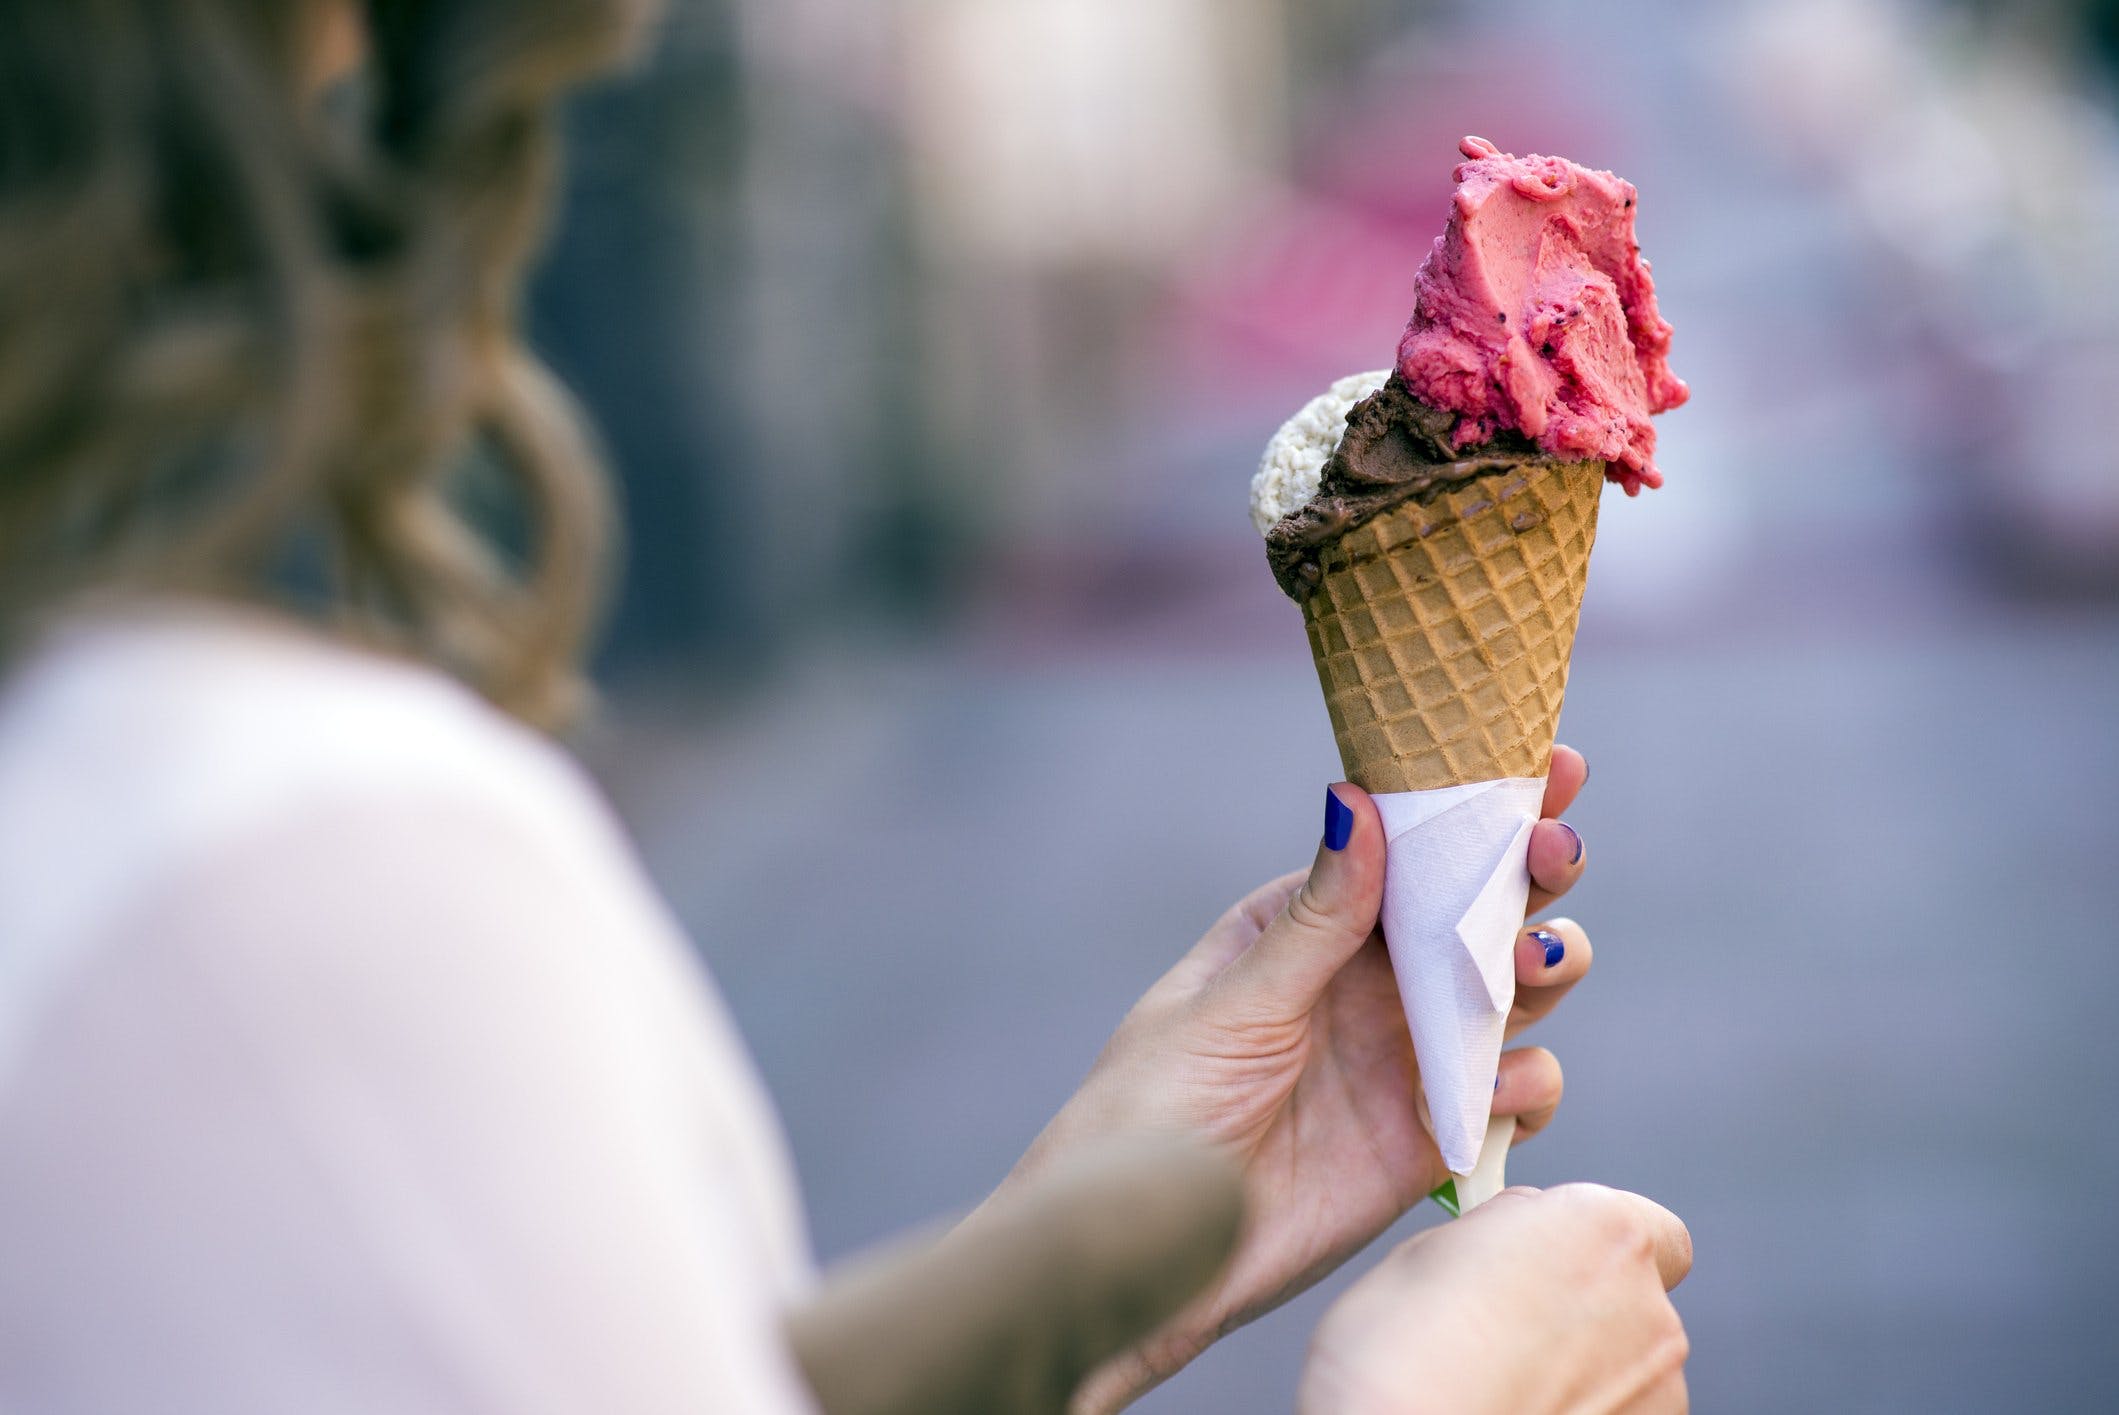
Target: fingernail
1338, 821
1576, 837
1555, 947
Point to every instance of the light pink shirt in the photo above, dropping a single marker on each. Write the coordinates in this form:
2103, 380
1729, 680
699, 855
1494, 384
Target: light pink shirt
348, 1062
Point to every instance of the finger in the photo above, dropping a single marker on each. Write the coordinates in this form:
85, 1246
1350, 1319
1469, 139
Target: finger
1263, 904
1528, 1087
1664, 1233
1489, 1211
1667, 1396
1235, 931
1564, 780
1551, 957
1557, 859
1326, 920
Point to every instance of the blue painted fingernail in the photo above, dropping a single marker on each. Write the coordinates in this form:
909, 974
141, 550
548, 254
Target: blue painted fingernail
1338, 821
1577, 838
1555, 947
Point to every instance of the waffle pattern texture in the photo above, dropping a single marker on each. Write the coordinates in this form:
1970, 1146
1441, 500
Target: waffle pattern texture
1442, 629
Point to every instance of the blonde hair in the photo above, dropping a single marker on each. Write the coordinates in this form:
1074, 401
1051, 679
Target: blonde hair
239, 337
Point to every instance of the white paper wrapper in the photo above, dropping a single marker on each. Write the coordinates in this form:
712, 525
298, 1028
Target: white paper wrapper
1456, 880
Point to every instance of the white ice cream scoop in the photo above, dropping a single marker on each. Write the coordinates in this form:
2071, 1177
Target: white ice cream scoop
1288, 472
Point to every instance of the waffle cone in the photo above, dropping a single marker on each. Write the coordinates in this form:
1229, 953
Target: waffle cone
1442, 629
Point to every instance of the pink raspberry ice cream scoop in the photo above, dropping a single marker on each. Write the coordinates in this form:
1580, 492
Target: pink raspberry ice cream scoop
1535, 313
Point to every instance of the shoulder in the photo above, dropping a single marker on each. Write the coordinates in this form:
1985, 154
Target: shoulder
136, 748
221, 713
355, 984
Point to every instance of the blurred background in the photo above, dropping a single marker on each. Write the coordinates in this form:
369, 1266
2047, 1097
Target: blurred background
935, 341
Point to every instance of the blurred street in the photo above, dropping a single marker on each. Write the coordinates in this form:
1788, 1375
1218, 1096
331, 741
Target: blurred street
992, 705
1852, 1015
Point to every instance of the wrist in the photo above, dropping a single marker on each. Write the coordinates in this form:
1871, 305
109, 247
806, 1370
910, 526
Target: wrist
1108, 1103
1085, 1118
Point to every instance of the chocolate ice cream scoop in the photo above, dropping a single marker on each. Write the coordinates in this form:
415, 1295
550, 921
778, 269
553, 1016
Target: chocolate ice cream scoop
1395, 449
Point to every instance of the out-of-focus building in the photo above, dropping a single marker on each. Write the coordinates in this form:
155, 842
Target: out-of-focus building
1063, 154
862, 275
637, 307
1976, 151
868, 296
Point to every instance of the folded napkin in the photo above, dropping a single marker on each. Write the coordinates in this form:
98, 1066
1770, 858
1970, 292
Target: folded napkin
1456, 880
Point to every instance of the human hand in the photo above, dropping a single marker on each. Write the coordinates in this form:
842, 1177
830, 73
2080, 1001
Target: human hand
1533, 1303
1281, 1037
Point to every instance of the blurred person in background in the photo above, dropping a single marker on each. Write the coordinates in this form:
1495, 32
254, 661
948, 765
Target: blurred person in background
347, 1061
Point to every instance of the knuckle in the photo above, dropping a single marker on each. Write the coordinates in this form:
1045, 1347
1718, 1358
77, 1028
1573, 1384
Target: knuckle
1262, 905
1307, 913
1608, 1217
1640, 1248
1672, 1348
1629, 1238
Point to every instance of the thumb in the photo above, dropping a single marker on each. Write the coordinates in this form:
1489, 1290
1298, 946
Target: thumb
1667, 1239
1326, 920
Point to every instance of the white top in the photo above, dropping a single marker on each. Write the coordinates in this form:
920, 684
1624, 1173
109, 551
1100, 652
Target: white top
347, 1060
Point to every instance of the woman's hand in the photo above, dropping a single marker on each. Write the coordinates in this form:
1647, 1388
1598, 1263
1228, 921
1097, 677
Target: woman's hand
1534, 1303
1281, 1038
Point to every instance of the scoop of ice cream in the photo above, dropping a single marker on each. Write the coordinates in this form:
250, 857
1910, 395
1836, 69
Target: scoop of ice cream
1392, 448
1294, 460
1535, 313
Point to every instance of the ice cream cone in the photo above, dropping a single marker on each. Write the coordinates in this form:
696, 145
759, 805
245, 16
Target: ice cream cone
1442, 629
1434, 521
